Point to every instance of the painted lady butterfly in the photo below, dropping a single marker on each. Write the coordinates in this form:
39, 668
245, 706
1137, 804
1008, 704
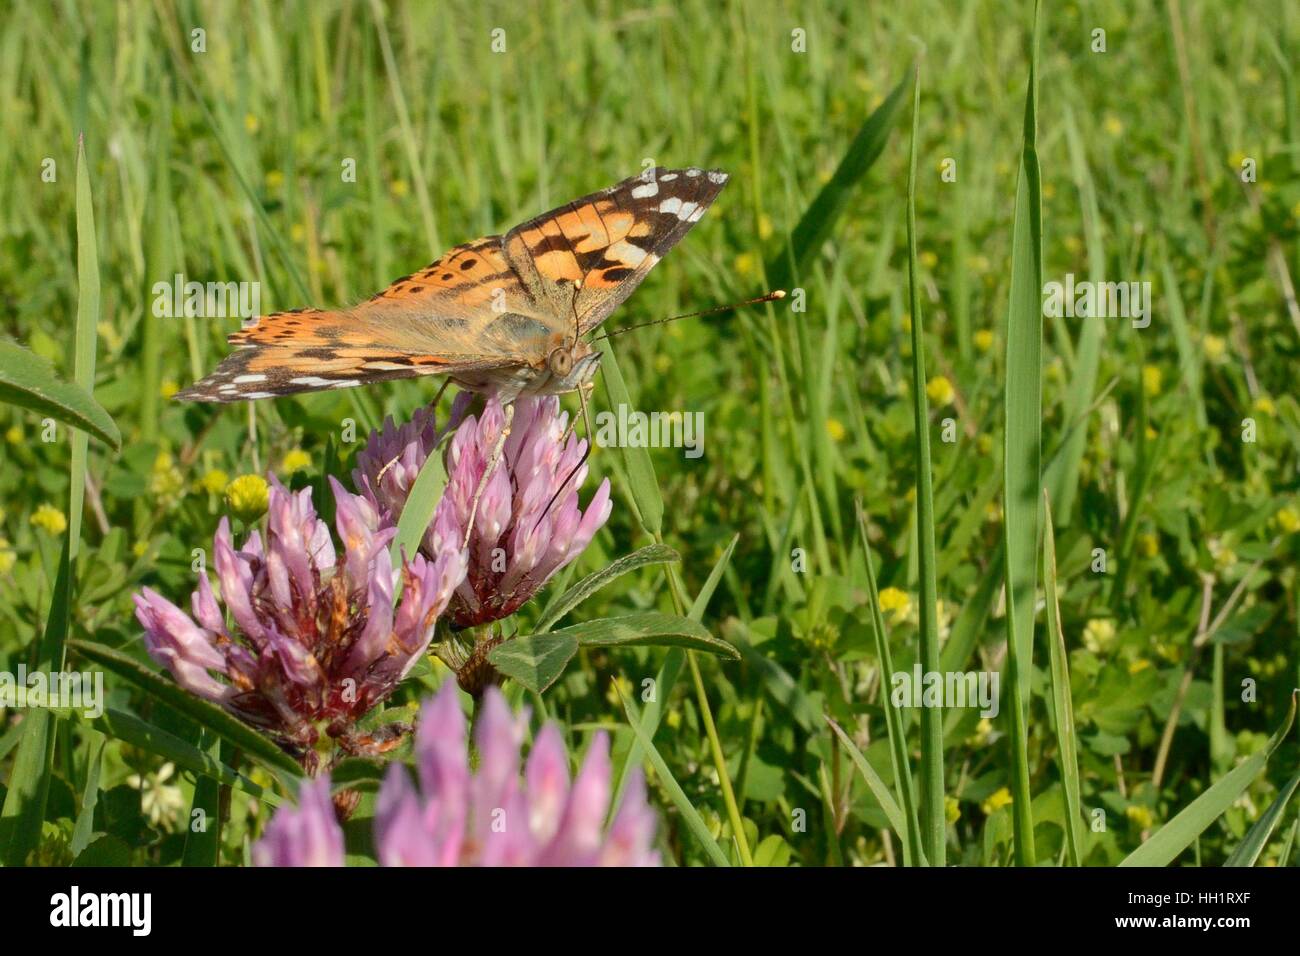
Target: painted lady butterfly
503, 314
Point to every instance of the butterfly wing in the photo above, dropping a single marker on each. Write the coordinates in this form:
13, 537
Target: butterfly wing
581, 261
488, 312
465, 313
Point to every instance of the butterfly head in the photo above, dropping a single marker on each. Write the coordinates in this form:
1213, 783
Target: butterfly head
571, 366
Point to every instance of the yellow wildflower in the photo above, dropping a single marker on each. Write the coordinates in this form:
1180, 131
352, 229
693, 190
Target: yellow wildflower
984, 339
247, 497
7, 557
1139, 816
50, 519
1152, 378
214, 481
835, 428
996, 801
296, 460
1098, 634
940, 390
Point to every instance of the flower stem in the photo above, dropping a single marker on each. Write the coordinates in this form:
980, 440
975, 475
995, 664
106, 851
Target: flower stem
715, 745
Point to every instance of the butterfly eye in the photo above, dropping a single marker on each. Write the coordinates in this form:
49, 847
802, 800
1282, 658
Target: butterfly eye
561, 362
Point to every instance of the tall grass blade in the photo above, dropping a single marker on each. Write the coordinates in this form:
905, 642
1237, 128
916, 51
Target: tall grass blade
1180, 832
933, 822
1062, 707
1022, 458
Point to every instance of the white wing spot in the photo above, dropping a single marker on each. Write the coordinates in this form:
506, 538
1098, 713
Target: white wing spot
259, 395
687, 210
672, 204
346, 384
667, 177
626, 252
717, 177
311, 380
248, 379
694, 171
647, 191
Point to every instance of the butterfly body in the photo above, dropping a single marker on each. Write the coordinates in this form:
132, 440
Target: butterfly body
503, 315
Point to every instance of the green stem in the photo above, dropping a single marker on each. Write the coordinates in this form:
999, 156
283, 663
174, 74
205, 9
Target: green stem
715, 745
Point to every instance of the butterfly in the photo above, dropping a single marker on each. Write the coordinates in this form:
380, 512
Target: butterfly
502, 315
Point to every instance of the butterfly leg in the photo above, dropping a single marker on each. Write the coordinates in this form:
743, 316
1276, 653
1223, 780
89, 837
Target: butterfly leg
493, 460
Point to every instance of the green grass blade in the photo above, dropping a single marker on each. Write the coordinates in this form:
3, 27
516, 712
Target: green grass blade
670, 670
875, 784
893, 719
832, 201
1253, 843
29, 781
203, 829
1062, 707
417, 513
84, 828
933, 822
29, 778
644, 488
205, 714
690, 815
1022, 458
1180, 832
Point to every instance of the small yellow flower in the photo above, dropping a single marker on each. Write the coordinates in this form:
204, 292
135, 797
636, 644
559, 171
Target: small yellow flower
166, 479
1152, 379
7, 557
616, 685
1235, 159
252, 124
297, 232
983, 730
984, 339
978, 264
1214, 347
764, 226
996, 801
398, 188
1150, 433
296, 460
1055, 370
984, 443
1098, 634
140, 548
940, 390
993, 512
1113, 126
906, 323
1139, 816
835, 428
1138, 665
744, 264
274, 180
1264, 406
673, 718
928, 259
951, 810
214, 481
895, 600
50, 519
247, 497
1073, 245
168, 388
1288, 519
1148, 545
14, 435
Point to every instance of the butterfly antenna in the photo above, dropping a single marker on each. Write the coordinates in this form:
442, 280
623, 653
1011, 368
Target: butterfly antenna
586, 453
770, 297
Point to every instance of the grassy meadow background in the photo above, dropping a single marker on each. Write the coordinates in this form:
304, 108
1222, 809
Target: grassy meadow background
225, 166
